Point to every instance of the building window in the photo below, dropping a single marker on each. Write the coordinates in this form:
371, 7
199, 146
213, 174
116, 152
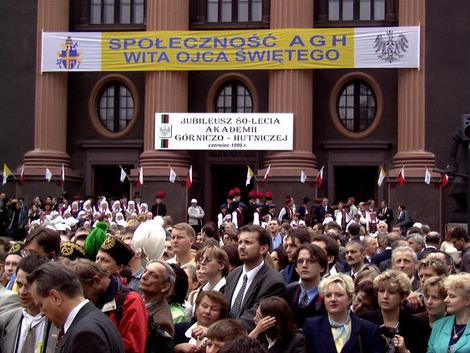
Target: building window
234, 97
113, 106
116, 107
356, 10
356, 105
117, 11
234, 10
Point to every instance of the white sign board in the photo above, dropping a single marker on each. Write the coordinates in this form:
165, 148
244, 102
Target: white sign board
224, 131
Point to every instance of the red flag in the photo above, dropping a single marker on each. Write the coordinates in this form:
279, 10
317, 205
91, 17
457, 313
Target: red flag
401, 176
189, 177
444, 180
320, 177
21, 180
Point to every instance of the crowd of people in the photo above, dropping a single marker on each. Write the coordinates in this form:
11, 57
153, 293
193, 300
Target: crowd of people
115, 275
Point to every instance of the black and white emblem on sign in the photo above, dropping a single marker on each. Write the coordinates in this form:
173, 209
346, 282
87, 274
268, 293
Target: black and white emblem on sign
390, 49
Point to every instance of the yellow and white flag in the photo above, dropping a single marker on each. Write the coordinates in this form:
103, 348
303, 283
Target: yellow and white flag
6, 173
382, 176
249, 175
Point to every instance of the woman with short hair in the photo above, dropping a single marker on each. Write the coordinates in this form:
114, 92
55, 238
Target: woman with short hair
452, 333
340, 330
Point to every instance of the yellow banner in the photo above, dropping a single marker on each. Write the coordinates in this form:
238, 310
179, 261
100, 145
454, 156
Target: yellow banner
227, 50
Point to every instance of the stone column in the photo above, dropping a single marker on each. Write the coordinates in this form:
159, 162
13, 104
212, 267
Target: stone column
165, 91
292, 91
411, 105
50, 121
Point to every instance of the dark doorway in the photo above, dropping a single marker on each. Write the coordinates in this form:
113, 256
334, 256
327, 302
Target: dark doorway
358, 182
226, 178
106, 180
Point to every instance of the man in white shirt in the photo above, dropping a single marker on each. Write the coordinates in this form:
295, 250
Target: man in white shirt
182, 237
84, 328
24, 328
195, 216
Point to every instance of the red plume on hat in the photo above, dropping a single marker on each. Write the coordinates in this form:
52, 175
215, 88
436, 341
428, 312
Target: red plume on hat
268, 195
252, 195
237, 191
231, 194
160, 194
259, 194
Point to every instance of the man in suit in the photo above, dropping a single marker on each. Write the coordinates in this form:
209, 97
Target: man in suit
292, 242
433, 240
8, 300
84, 328
302, 296
254, 280
43, 241
18, 324
385, 213
405, 260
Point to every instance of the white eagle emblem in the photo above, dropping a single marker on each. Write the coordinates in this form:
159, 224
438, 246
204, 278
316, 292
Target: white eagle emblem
390, 50
165, 131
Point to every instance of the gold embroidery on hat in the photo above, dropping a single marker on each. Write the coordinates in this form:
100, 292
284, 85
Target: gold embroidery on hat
109, 243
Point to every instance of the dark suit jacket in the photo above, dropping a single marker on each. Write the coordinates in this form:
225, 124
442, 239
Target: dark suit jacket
320, 339
267, 283
92, 332
414, 329
425, 252
384, 255
10, 324
386, 216
314, 308
296, 344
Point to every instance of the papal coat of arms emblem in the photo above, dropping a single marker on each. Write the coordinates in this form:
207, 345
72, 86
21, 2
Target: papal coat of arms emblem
68, 57
390, 49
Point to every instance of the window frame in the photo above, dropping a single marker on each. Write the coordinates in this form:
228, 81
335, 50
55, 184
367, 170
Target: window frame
222, 81
334, 103
94, 105
199, 16
83, 21
321, 15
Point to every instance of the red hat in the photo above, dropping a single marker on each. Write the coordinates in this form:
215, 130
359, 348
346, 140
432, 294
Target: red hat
237, 191
160, 194
252, 195
268, 195
231, 194
259, 194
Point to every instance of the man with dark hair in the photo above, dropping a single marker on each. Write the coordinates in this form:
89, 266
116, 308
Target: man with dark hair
84, 328
25, 328
223, 332
255, 280
124, 307
331, 247
243, 344
433, 241
292, 242
114, 255
43, 241
355, 255
302, 296
461, 241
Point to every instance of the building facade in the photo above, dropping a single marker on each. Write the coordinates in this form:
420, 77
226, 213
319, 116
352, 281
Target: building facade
352, 121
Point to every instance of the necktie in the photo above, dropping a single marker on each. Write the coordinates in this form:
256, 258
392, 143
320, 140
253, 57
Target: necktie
29, 343
237, 304
60, 335
303, 300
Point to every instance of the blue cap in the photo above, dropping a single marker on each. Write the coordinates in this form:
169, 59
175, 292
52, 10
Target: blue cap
241, 204
223, 205
272, 205
259, 204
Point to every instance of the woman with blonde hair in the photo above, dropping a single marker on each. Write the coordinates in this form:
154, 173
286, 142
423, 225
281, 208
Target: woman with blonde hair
452, 333
340, 330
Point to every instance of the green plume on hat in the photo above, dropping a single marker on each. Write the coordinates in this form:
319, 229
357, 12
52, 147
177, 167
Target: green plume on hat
95, 239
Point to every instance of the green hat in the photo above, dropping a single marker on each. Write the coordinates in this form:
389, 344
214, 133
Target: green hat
95, 239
